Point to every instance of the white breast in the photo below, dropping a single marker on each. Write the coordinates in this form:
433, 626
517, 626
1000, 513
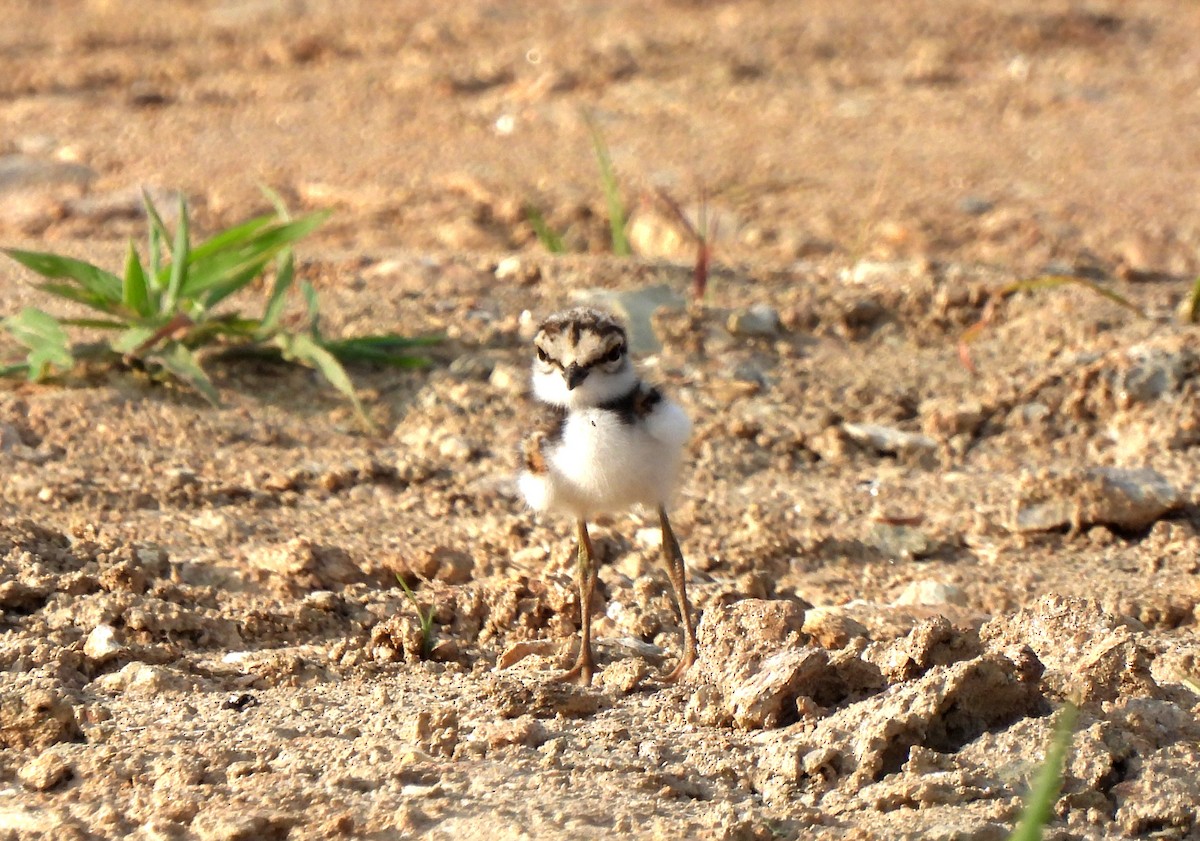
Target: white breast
604, 465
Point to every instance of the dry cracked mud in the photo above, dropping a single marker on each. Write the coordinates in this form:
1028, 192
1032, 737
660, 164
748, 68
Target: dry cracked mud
905, 557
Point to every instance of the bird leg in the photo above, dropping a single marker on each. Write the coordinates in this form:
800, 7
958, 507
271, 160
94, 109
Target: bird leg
678, 575
584, 666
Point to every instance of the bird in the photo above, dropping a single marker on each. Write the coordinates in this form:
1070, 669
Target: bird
606, 441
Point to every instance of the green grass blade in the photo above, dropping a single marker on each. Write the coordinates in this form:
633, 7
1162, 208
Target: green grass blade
230, 238
313, 307
93, 323
424, 617
179, 262
301, 347
546, 235
103, 288
285, 275
234, 283
135, 292
19, 369
47, 342
79, 296
215, 269
182, 364
276, 200
158, 235
1054, 281
612, 191
132, 339
381, 350
1039, 805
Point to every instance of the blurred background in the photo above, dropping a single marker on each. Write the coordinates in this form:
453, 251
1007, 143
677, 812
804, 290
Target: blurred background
1023, 134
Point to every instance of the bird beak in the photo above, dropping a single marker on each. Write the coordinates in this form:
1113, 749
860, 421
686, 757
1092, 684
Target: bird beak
574, 375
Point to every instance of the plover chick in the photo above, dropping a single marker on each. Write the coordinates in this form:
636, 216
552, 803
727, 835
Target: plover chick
607, 442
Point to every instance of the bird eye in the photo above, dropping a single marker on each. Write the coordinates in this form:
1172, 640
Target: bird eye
614, 354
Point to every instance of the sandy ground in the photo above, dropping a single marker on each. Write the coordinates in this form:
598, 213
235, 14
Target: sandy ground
904, 564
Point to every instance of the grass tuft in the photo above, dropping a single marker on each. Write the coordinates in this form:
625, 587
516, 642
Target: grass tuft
425, 617
163, 314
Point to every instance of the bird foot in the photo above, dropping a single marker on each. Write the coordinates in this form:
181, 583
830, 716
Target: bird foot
678, 672
580, 674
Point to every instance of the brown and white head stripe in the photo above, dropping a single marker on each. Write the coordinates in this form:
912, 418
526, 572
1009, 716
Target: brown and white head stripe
579, 341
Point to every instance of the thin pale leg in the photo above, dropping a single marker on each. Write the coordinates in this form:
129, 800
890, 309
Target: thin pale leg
584, 666
678, 575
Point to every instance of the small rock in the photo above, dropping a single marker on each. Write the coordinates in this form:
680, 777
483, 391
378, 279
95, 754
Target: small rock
143, 679
1152, 373
455, 448
759, 321
901, 543
518, 651
867, 272
830, 628
525, 731
763, 699
36, 719
886, 439
101, 644
624, 676
508, 379
1085, 651
473, 366
1112, 496
931, 594
239, 701
943, 710
975, 205
300, 563
509, 268
45, 771
25, 172
649, 538
947, 418
233, 825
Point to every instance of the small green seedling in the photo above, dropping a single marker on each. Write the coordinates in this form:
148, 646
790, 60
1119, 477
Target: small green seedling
1039, 803
617, 217
425, 617
158, 315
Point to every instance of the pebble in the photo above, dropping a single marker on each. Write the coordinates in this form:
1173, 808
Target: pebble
1153, 373
831, 628
975, 205
873, 271
44, 772
143, 679
101, 644
454, 448
26, 172
473, 366
931, 593
886, 439
508, 379
1112, 496
759, 321
898, 542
